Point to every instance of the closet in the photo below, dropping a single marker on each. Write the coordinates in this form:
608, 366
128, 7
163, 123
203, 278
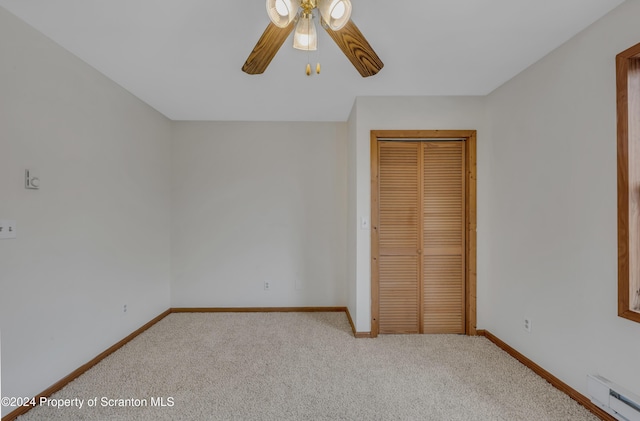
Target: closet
419, 250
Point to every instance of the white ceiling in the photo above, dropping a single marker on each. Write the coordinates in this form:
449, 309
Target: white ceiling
184, 57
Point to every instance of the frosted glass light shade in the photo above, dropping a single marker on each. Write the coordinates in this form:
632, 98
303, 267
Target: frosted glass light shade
282, 12
305, 37
336, 13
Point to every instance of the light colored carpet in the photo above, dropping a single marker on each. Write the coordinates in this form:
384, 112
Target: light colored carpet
308, 366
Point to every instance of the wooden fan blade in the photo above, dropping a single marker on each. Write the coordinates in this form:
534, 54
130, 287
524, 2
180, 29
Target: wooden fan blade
266, 48
357, 49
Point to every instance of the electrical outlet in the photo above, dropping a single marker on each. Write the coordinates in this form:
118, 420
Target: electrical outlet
8, 229
527, 324
267, 285
124, 308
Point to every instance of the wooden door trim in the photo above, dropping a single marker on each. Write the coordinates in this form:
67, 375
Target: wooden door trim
470, 223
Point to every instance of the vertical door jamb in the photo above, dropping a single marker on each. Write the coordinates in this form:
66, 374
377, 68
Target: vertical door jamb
375, 239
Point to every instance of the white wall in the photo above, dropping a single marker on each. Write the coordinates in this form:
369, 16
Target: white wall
251, 202
553, 210
352, 204
255, 202
408, 113
95, 236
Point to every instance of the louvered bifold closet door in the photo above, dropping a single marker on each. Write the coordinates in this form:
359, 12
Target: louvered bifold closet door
443, 207
399, 211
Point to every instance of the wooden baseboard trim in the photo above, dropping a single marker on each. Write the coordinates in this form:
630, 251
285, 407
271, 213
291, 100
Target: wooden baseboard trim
356, 334
256, 309
555, 382
82, 369
273, 310
353, 327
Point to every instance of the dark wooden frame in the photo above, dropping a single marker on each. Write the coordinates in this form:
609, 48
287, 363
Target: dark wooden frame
628, 104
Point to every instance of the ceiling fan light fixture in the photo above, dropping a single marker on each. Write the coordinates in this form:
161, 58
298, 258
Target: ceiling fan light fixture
335, 13
282, 12
306, 37
297, 16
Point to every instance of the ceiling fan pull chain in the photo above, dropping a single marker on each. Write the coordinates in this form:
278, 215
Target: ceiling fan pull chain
318, 55
308, 69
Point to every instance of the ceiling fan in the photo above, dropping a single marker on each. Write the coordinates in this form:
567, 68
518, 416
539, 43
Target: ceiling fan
335, 18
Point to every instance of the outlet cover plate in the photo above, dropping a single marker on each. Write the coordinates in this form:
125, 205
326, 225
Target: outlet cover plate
8, 229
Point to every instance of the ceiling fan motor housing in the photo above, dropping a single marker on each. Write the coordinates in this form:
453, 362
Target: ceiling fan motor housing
336, 13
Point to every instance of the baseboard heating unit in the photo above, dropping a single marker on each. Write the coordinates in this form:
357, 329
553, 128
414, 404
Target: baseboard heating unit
615, 400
